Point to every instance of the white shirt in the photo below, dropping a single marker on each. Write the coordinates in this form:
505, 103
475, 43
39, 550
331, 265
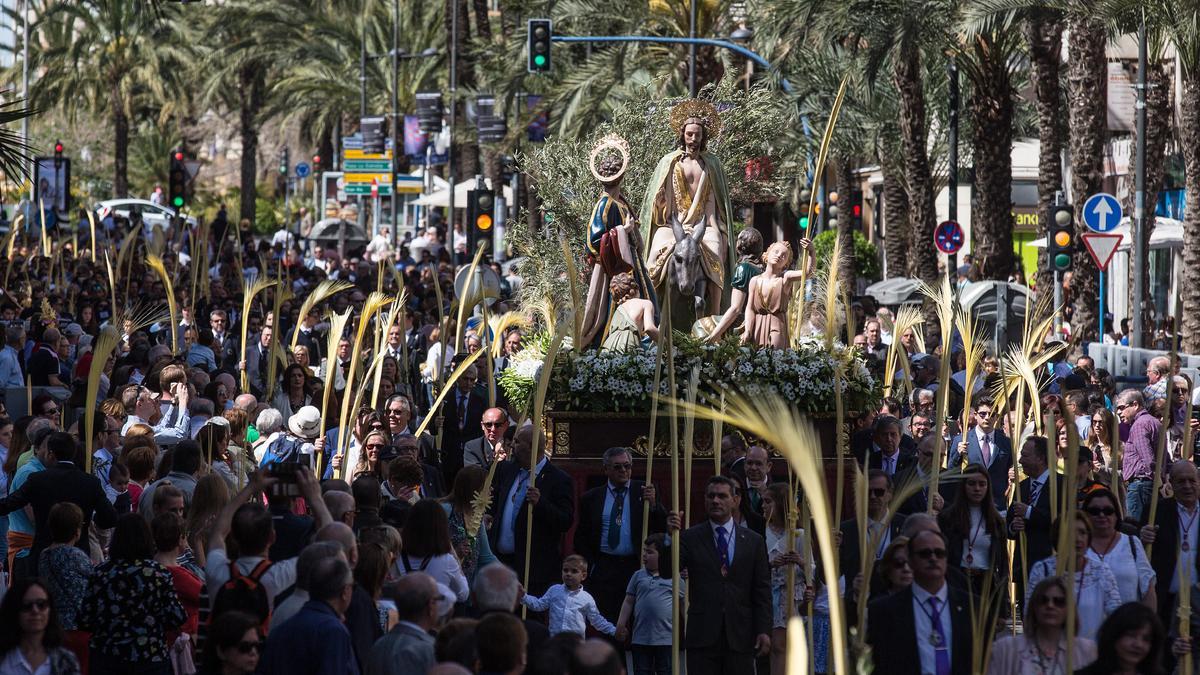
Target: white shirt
978, 543
730, 530
14, 663
443, 568
278, 577
506, 542
1187, 559
922, 618
570, 611
1129, 564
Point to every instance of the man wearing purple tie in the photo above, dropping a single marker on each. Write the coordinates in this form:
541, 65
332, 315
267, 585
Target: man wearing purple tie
729, 618
924, 629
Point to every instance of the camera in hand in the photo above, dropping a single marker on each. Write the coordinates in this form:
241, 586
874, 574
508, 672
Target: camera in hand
287, 473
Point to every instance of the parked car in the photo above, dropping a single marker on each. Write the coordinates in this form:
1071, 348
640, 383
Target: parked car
151, 214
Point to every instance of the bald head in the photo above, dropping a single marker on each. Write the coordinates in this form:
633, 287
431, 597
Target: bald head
495, 423
919, 522
245, 402
1185, 482
344, 536
340, 505
417, 598
595, 657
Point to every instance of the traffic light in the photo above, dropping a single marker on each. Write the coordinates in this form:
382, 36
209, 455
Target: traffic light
538, 37
58, 154
283, 162
480, 203
1060, 240
316, 163
177, 181
834, 210
855, 207
804, 216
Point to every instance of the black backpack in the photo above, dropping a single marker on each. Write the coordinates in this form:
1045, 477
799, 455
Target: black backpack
245, 593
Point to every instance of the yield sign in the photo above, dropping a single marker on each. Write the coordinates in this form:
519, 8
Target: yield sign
1101, 247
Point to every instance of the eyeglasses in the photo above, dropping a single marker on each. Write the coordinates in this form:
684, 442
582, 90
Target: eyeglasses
1054, 600
899, 564
1101, 511
877, 492
39, 605
374, 446
51, 411
396, 412
983, 413
1123, 406
931, 553
621, 467
247, 647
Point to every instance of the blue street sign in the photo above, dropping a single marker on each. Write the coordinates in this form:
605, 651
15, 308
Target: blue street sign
1102, 212
302, 170
948, 237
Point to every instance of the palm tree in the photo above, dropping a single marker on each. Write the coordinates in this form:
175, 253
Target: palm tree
1043, 31
98, 56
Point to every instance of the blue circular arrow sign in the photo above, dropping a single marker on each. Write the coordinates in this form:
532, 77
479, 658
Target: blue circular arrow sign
301, 170
948, 237
1102, 212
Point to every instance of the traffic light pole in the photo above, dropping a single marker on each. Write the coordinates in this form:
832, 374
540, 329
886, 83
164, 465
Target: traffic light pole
397, 135
1139, 200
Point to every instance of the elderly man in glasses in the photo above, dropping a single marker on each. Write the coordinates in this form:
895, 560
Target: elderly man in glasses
1137, 461
481, 451
610, 532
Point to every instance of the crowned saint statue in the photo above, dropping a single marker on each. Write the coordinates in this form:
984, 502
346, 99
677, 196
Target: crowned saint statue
688, 193
614, 243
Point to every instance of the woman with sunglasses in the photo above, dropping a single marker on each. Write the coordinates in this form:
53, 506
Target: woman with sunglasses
234, 645
1123, 554
368, 459
366, 421
1100, 440
975, 532
892, 573
1096, 593
1041, 649
31, 640
1131, 642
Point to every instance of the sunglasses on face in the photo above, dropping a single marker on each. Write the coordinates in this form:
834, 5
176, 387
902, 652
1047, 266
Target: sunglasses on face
1054, 601
899, 564
983, 413
247, 647
39, 605
395, 412
877, 492
1101, 511
374, 446
931, 553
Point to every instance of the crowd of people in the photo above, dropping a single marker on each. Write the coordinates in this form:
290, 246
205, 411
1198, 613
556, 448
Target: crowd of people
226, 523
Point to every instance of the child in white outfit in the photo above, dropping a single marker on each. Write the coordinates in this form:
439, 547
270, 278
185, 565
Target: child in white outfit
571, 608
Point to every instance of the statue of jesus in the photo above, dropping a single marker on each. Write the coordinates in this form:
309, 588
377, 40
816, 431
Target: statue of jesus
688, 192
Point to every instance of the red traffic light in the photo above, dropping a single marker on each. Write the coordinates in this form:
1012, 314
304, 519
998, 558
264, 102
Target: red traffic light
58, 148
178, 156
316, 160
856, 211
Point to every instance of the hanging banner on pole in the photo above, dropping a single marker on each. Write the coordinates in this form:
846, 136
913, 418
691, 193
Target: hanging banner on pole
1101, 247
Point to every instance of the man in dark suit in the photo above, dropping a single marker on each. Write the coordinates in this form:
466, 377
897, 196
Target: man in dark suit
227, 354
609, 533
885, 452
482, 450
309, 338
754, 482
62, 481
916, 481
1030, 512
880, 530
733, 457
925, 628
986, 445
462, 417
729, 618
1176, 518
256, 364
551, 496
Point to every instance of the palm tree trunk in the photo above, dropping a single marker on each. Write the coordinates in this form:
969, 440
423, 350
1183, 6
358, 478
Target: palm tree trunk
1044, 32
1189, 146
1087, 93
896, 221
483, 26
120, 121
466, 153
991, 213
250, 91
1158, 129
906, 73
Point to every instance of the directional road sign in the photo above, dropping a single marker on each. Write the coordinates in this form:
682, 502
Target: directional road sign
1102, 212
302, 170
366, 165
1101, 247
948, 237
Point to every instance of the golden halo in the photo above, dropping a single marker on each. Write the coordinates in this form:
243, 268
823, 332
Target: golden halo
614, 142
696, 110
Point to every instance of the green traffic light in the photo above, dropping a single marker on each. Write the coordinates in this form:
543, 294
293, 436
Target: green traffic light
178, 201
1062, 261
804, 222
539, 60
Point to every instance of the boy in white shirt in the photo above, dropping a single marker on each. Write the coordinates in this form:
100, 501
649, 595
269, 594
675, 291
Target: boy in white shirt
571, 608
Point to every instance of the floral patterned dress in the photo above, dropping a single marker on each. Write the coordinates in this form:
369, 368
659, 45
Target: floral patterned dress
66, 570
129, 606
